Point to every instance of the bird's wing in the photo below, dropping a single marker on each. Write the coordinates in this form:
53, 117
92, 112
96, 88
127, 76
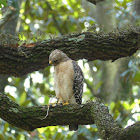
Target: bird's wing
78, 82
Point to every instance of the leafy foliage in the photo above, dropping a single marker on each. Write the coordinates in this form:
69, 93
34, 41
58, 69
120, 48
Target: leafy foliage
3, 2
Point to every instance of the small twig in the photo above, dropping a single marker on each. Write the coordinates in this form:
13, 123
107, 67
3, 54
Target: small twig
48, 108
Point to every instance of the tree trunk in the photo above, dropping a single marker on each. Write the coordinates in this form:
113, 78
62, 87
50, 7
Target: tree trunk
113, 87
9, 26
27, 58
30, 118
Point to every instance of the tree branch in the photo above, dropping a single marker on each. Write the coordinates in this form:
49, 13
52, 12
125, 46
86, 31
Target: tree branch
18, 61
107, 128
30, 118
131, 133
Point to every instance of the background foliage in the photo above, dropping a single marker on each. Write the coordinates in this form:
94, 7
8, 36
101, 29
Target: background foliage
38, 20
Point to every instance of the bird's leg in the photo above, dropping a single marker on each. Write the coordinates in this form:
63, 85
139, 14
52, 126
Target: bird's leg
66, 103
58, 102
53, 104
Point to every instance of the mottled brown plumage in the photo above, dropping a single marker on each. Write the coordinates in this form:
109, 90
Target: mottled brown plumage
68, 80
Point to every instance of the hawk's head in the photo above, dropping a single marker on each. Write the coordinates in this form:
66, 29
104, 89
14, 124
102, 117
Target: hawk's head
57, 57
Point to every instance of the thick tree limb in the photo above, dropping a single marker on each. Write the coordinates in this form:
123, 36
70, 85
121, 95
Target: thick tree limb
30, 118
131, 133
18, 61
104, 122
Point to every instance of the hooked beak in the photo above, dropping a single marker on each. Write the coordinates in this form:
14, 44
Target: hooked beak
50, 62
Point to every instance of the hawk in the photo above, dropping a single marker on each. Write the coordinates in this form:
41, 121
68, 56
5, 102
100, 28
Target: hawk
68, 80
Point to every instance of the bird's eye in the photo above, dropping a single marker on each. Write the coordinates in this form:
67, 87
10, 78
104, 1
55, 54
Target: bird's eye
55, 61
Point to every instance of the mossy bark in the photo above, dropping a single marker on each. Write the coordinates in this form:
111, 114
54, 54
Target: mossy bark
30, 118
18, 61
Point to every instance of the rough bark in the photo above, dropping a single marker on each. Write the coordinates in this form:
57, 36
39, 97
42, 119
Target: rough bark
18, 61
30, 118
131, 133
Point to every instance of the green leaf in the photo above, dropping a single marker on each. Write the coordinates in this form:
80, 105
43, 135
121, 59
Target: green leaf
136, 78
11, 97
5, 127
2, 2
22, 98
10, 138
126, 105
26, 103
18, 137
2, 137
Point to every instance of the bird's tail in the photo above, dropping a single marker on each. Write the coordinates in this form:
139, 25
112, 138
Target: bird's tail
73, 127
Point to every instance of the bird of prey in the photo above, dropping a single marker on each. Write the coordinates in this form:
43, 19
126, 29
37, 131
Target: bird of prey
68, 80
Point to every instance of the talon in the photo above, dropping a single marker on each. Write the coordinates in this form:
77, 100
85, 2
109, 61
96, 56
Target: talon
52, 105
67, 103
60, 104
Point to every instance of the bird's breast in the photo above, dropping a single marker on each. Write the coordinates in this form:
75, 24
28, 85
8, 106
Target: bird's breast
63, 80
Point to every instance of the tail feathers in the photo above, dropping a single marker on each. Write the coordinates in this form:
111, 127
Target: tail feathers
73, 127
